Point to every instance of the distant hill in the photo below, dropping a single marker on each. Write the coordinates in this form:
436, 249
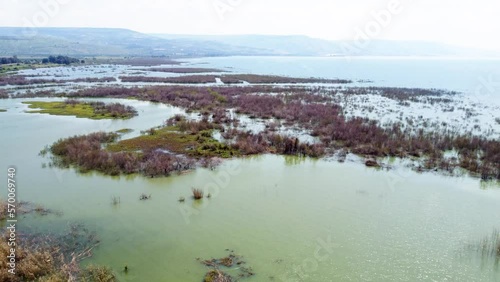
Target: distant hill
297, 45
107, 42
124, 42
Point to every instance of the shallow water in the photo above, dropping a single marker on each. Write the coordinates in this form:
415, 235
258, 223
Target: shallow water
275, 211
458, 74
475, 110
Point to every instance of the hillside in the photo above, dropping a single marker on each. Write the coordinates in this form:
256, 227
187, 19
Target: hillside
123, 42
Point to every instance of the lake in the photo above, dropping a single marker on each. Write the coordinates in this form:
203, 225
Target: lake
293, 219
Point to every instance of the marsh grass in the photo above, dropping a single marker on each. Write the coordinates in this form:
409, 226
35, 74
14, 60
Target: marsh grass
95, 273
31, 264
115, 200
91, 110
232, 79
185, 137
488, 248
89, 153
54, 257
4, 94
197, 194
319, 112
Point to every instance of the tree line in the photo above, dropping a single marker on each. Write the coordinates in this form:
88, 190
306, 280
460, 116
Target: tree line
60, 60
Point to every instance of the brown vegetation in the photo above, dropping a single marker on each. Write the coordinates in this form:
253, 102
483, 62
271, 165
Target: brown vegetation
21, 80
233, 79
86, 153
316, 111
197, 194
188, 79
4, 94
55, 258
183, 70
216, 275
232, 261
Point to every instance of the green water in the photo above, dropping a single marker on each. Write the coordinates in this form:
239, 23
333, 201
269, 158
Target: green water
292, 219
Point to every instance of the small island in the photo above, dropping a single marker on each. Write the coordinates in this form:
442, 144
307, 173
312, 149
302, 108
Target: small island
82, 109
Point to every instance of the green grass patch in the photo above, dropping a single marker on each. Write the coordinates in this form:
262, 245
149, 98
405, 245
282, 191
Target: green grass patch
80, 110
171, 139
124, 130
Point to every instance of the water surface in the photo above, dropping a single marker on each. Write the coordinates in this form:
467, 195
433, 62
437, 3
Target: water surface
278, 212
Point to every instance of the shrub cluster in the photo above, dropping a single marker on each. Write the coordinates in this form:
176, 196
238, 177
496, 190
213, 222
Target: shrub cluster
21, 80
86, 152
317, 112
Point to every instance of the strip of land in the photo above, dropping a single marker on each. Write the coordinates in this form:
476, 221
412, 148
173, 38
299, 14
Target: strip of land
233, 79
80, 109
184, 70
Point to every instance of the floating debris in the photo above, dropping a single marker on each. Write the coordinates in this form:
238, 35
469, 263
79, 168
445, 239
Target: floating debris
231, 262
216, 275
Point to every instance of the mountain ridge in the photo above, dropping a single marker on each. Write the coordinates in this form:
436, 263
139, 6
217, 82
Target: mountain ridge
124, 42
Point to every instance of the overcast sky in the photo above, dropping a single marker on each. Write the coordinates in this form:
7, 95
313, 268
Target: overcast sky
468, 23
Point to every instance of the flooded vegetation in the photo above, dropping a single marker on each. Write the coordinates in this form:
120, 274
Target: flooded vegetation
86, 153
487, 250
22, 80
54, 257
232, 79
218, 268
25, 208
293, 172
318, 113
183, 70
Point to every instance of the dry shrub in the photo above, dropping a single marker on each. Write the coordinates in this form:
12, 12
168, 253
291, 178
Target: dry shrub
216, 275
53, 258
197, 194
3, 209
30, 264
94, 273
